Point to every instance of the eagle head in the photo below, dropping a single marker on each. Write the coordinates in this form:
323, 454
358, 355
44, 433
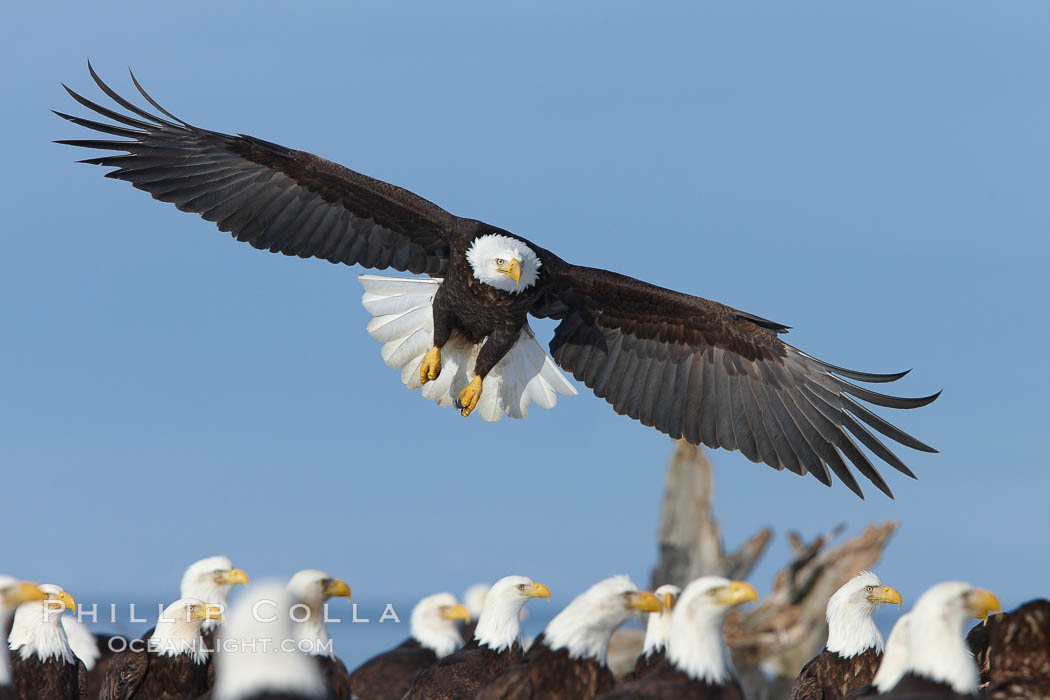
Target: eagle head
503, 262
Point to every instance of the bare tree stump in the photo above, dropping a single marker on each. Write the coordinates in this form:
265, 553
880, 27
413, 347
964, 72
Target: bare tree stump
690, 539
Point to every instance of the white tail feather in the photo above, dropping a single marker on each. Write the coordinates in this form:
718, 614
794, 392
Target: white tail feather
404, 323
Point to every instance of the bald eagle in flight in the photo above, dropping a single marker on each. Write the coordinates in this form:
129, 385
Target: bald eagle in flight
689, 367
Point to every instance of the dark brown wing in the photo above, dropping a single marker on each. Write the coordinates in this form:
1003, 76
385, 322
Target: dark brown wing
702, 371
124, 674
272, 197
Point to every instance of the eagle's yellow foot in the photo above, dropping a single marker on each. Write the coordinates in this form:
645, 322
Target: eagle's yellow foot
431, 367
468, 398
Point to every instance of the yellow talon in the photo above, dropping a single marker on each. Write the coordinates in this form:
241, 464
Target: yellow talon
468, 398
431, 367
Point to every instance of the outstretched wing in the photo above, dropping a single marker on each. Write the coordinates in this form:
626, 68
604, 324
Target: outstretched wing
702, 371
272, 197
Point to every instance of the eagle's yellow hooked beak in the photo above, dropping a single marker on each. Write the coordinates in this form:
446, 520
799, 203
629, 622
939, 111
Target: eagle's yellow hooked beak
512, 269
455, 612
885, 594
982, 602
644, 601
337, 588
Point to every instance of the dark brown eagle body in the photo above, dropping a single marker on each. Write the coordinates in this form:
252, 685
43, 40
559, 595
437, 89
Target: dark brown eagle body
54, 679
689, 367
388, 676
106, 644
644, 664
912, 687
144, 675
336, 678
1012, 651
462, 673
828, 676
665, 682
549, 674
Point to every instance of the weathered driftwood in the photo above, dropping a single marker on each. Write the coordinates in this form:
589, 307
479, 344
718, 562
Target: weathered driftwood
690, 539
788, 625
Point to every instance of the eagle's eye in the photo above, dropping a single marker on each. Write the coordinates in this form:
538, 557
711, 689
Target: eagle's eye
500, 261
869, 589
522, 586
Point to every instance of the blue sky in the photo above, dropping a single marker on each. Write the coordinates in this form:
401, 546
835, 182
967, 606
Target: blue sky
876, 180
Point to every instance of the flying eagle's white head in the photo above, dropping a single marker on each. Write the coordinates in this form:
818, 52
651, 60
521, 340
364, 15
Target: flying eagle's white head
211, 579
851, 629
500, 625
37, 629
586, 625
696, 645
434, 623
936, 634
178, 630
503, 262
246, 668
313, 588
659, 625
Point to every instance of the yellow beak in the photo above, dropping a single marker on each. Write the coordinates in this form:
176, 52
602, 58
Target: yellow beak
68, 601
24, 593
232, 576
337, 588
885, 594
738, 593
644, 601
512, 269
668, 601
538, 590
455, 612
982, 602
208, 612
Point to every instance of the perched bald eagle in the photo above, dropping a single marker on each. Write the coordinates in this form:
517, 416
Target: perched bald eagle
172, 662
211, 579
12, 594
43, 665
690, 367
854, 647
568, 660
313, 589
434, 635
698, 663
496, 645
657, 629
938, 664
1012, 651
252, 663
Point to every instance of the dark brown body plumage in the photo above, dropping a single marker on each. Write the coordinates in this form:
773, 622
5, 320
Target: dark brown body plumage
912, 687
143, 675
690, 367
665, 682
335, 675
1012, 651
550, 675
643, 665
461, 674
828, 676
54, 679
97, 675
388, 676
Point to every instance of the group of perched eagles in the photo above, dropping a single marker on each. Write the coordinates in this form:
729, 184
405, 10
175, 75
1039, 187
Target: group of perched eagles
272, 643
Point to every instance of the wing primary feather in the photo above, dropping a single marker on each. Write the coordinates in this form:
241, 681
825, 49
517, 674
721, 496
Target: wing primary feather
123, 102
105, 112
142, 91
888, 429
874, 444
766, 452
742, 429
871, 377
